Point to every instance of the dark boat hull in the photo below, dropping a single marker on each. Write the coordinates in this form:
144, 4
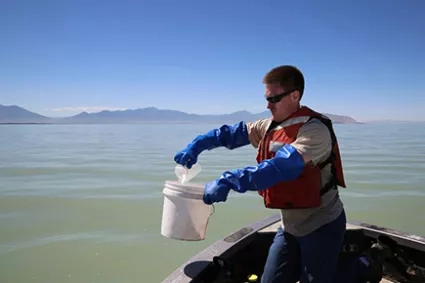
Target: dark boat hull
243, 252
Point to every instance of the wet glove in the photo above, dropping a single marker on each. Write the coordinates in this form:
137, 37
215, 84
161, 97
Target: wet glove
230, 137
286, 165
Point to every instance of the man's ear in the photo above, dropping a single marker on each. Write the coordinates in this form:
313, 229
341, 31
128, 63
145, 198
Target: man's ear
296, 96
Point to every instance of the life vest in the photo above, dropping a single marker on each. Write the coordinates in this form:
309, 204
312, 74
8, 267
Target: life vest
306, 190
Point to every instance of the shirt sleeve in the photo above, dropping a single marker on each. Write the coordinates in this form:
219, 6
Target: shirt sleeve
314, 141
256, 131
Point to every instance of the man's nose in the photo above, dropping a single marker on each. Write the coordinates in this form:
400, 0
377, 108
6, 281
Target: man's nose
269, 105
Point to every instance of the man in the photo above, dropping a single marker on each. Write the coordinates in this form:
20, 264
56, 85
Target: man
298, 171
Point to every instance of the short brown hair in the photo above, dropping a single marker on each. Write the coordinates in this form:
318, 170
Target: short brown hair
289, 77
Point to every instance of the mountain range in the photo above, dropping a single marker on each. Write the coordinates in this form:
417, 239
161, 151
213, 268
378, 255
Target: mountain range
17, 115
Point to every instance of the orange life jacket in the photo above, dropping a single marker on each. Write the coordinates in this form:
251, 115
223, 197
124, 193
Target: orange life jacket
306, 191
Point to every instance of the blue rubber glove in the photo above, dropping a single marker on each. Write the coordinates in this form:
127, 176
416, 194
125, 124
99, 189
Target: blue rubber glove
286, 165
230, 137
216, 191
188, 156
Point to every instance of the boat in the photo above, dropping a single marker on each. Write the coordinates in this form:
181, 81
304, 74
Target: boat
240, 256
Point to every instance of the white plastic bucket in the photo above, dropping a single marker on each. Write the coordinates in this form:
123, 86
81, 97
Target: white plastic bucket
184, 214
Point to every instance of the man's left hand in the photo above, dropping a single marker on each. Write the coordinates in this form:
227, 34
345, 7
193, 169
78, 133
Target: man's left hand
216, 191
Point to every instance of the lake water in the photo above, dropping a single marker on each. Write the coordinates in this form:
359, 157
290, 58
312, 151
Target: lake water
83, 203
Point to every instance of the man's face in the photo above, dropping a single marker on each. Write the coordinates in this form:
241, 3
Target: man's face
281, 102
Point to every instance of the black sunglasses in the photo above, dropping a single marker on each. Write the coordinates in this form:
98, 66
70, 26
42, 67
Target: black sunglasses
277, 98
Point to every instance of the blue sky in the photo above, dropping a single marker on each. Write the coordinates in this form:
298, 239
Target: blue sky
360, 58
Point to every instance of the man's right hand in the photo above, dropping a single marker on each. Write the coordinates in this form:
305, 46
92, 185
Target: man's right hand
187, 157
231, 137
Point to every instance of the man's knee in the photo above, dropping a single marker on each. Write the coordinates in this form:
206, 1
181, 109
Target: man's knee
320, 252
282, 263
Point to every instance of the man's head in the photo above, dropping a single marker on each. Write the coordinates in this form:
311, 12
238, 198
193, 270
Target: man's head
284, 89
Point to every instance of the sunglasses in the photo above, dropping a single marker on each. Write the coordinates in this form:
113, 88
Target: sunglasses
277, 98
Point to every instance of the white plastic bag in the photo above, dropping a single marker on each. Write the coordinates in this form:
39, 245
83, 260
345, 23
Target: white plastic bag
184, 174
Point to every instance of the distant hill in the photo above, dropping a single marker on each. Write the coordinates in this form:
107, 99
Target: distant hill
16, 114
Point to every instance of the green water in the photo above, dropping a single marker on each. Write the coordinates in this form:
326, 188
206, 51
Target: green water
83, 203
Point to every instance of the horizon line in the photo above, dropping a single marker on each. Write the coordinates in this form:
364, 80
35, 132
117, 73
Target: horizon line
98, 109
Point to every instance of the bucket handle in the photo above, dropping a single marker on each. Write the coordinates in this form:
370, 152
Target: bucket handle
213, 210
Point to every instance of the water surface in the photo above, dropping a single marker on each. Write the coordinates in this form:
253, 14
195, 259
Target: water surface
83, 203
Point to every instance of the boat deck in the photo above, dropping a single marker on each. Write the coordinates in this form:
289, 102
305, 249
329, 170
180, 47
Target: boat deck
273, 228
244, 252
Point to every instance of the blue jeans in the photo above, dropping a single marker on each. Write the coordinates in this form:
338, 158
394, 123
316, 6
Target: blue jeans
312, 258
